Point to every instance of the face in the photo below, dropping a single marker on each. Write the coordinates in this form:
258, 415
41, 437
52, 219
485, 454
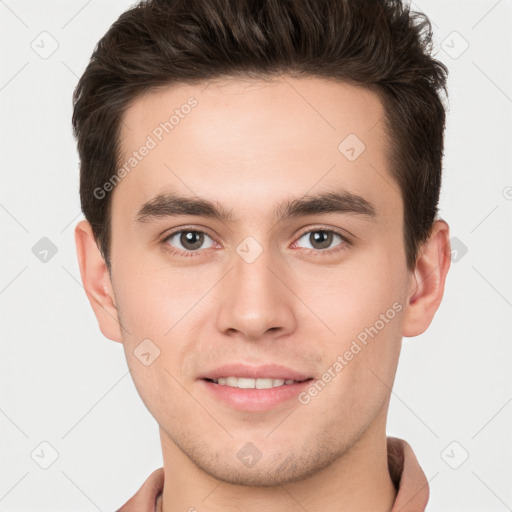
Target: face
316, 287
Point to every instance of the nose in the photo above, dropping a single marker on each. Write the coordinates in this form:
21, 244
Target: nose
255, 299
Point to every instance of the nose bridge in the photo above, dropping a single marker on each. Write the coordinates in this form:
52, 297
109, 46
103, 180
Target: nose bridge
254, 299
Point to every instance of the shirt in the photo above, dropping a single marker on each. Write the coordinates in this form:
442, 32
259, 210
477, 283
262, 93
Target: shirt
404, 469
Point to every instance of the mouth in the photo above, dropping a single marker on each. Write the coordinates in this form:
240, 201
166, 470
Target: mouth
248, 383
255, 389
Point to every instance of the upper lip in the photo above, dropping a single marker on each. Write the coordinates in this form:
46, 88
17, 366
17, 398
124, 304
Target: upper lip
255, 372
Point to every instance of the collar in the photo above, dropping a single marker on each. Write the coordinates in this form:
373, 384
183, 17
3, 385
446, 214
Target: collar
408, 477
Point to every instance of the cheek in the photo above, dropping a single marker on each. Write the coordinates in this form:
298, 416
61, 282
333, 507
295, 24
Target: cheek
153, 307
170, 307
363, 308
154, 298
351, 297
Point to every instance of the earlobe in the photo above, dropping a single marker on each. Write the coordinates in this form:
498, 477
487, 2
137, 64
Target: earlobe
428, 280
96, 281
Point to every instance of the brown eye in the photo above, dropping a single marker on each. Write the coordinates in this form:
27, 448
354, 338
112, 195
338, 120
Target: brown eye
322, 239
187, 240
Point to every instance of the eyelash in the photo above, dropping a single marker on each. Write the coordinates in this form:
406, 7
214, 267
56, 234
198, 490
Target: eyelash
320, 252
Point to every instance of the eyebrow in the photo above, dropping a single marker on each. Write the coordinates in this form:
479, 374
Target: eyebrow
171, 204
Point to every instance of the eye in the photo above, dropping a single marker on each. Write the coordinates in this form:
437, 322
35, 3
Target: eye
187, 240
322, 239
190, 242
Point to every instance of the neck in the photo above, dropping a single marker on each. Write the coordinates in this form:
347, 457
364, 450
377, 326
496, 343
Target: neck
357, 480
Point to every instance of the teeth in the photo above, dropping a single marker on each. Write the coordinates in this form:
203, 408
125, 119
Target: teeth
246, 383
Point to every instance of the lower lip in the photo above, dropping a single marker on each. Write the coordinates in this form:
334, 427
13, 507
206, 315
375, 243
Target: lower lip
255, 400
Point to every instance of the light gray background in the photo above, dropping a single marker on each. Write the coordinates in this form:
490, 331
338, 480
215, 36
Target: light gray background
64, 384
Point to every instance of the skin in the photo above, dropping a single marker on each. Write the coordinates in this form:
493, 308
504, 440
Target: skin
250, 144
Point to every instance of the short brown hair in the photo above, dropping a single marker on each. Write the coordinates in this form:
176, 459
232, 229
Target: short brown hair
378, 44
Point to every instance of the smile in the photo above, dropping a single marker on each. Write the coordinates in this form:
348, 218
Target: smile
248, 383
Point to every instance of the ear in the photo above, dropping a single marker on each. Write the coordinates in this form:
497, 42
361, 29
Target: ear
427, 280
96, 281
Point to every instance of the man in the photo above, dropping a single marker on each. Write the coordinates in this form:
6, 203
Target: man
260, 181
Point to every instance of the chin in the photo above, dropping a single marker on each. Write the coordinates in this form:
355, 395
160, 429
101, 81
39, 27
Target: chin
283, 469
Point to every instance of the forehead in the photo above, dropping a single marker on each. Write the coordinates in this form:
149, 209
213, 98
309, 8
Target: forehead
247, 143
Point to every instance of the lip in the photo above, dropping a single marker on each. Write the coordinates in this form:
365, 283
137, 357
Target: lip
254, 400
255, 372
